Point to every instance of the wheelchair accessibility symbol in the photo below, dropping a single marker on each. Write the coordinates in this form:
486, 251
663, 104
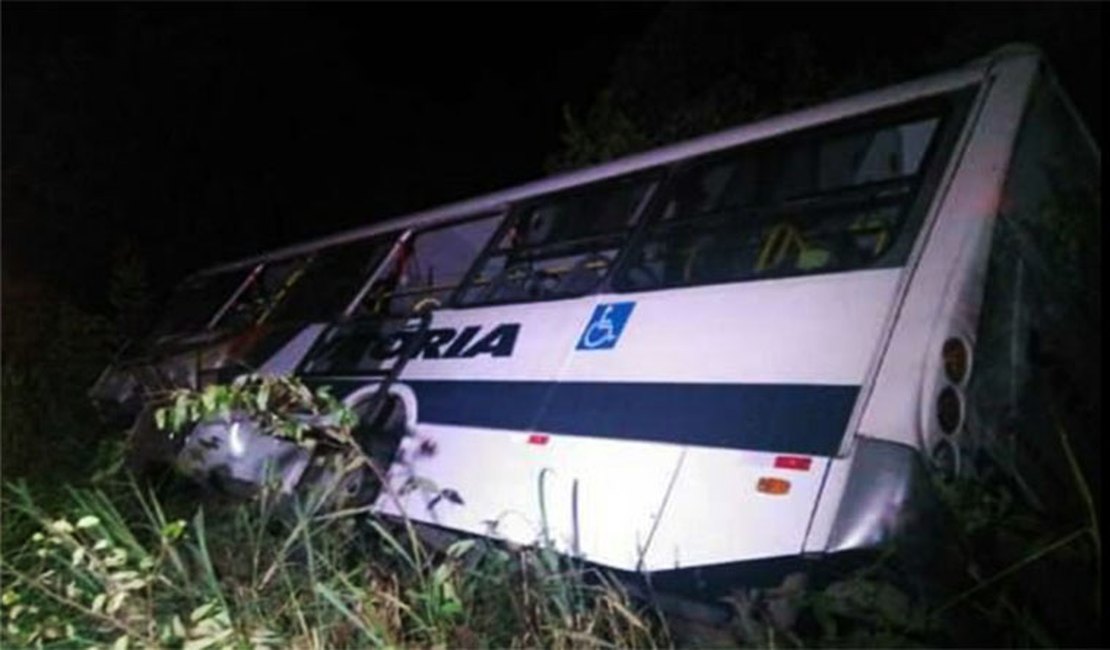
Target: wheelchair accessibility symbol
605, 326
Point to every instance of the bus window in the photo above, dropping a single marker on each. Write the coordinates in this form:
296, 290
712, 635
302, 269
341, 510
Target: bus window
330, 280
429, 267
558, 246
254, 304
824, 202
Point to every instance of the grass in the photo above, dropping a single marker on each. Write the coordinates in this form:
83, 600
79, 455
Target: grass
118, 568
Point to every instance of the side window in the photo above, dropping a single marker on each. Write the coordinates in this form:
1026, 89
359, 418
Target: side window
557, 246
833, 199
425, 271
255, 303
330, 279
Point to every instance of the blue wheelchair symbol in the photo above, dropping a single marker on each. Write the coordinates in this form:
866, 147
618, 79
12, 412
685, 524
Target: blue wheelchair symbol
605, 326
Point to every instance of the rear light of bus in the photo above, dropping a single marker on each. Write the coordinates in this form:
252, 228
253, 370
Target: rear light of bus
950, 410
801, 463
770, 485
537, 439
957, 360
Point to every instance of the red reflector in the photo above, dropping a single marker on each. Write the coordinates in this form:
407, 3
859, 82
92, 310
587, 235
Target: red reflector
537, 439
793, 462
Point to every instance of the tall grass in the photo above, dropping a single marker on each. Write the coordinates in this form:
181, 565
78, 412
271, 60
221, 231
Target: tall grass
124, 569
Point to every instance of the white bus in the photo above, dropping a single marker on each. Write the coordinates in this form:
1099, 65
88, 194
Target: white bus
739, 352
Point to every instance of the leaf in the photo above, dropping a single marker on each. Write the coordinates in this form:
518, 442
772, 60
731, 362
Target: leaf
180, 413
121, 643
303, 394
61, 526
452, 607
160, 418
115, 602
209, 397
337, 602
208, 641
200, 612
173, 530
177, 627
262, 399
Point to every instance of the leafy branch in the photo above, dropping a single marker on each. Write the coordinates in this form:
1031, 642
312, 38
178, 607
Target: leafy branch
281, 406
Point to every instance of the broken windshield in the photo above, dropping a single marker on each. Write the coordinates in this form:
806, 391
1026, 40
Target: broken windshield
197, 300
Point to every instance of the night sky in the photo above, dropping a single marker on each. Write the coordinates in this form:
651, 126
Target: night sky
201, 133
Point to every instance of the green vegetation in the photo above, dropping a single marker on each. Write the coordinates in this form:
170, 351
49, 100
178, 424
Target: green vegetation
117, 567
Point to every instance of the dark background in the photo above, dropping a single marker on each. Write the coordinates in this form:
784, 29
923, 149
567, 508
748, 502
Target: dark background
186, 135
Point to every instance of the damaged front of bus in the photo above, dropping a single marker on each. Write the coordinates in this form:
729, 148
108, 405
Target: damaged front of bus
259, 316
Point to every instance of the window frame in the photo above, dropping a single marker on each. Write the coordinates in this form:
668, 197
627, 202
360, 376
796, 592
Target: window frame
951, 108
654, 177
415, 232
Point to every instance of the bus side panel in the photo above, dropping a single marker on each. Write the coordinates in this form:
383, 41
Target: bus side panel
639, 445
716, 514
593, 497
499, 343
811, 330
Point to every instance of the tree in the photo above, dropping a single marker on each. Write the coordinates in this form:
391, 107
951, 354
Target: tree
702, 68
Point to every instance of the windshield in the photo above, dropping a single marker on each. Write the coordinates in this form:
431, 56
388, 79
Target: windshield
197, 300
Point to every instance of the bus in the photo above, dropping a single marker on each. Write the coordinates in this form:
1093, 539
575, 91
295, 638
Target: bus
733, 355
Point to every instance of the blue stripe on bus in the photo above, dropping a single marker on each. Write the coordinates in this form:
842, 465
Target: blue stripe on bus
789, 418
